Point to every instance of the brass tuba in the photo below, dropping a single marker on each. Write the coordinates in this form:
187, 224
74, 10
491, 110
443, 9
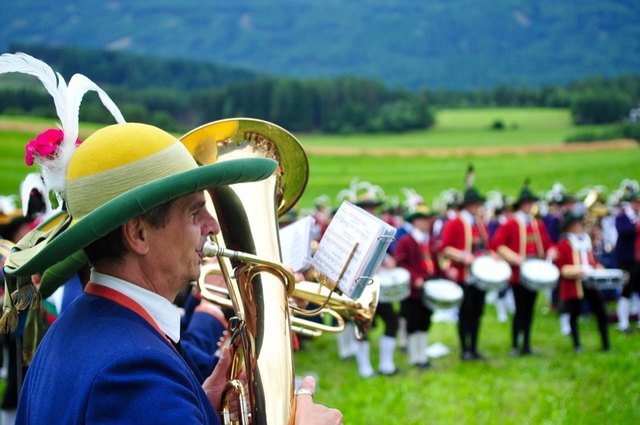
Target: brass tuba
261, 341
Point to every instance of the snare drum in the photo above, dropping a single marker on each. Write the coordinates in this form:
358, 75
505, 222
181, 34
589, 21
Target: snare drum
394, 284
538, 275
442, 294
489, 273
603, 279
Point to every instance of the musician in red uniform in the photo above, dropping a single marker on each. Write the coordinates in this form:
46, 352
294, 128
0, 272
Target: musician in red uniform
413, 252
575, 261
522, 236
370, 202
463, 238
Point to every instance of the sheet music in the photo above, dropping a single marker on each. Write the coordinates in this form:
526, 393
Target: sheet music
352, 227
295, 244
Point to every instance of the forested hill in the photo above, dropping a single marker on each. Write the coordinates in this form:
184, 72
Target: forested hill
459, 44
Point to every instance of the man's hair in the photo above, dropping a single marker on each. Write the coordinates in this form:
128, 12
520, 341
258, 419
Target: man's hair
111, 246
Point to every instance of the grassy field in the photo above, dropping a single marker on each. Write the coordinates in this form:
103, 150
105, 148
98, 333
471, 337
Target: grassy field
430, 176
555, 386
470, 127
330, 173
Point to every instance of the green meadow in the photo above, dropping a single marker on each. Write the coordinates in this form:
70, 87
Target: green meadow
554, 386
470, 128
459, 131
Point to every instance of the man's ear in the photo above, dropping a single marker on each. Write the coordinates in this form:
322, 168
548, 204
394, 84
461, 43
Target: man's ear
135, 235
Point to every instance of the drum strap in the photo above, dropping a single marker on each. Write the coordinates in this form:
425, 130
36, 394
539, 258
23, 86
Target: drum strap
523, 237
536, 237
576, 260
468, 235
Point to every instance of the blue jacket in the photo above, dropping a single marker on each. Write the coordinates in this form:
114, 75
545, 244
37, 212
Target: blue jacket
101, 363
625, 245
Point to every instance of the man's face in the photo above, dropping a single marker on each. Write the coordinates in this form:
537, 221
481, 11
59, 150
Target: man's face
526, 207
177, 247
473, 208
423, 224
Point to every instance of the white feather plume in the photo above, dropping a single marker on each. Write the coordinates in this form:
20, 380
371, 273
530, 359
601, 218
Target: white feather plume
33, 181
52, 81
67, 100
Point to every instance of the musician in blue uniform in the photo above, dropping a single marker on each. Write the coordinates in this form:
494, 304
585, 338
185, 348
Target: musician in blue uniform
114, 356
628, 254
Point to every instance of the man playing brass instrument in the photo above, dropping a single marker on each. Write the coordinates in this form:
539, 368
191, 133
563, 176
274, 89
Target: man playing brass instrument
136, 205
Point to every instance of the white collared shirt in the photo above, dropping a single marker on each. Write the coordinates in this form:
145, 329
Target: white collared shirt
162, 311
468, 217
524, 218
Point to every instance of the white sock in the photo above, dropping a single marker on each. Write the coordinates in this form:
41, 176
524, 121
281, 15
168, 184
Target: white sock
346, 342
622, 309
565, 325
362, 357
417, 348
402, 332
387, 349
501, 309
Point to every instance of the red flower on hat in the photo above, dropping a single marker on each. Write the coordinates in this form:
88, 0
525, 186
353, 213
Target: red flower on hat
44, 145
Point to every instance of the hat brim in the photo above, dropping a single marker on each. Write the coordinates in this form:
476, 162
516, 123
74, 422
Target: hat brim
478, 200
368, 204
416, 216
73, 235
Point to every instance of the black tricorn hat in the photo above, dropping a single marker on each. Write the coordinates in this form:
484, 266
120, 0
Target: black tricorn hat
569, 218
526, 195
472, 196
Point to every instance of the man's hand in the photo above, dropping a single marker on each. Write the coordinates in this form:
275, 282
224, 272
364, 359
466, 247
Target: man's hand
215, 383
309, 413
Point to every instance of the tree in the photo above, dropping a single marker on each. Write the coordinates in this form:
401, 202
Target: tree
600, 107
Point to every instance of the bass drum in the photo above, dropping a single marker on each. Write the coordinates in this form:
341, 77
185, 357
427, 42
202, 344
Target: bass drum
489, 273
442, 294
539, 275
394, 284
603, 279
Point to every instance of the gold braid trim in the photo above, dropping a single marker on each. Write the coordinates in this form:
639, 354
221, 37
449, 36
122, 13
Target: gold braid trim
26, 296
34, 330
9, 319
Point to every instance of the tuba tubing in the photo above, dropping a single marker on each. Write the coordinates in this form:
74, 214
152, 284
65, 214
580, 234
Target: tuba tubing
340, 307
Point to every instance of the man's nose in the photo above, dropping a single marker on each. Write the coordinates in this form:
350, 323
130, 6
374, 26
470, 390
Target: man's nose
211, 225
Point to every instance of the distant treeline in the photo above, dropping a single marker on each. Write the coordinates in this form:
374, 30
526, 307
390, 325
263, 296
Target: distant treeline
178, 95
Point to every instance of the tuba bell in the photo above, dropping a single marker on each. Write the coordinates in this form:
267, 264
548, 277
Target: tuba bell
261, 340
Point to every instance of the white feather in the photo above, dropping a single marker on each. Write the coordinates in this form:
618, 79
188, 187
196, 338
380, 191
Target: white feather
52, 81
67, 101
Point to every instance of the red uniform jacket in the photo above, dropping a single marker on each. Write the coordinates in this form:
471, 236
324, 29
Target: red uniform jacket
514, 238
416, 258
570, 282
459, 236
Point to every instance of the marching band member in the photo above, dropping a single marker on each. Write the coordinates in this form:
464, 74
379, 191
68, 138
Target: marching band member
502, 208
559, 202
370, 200
575, 260
522, 236
135, 196
463, 238
413, 252
628, 254
150, 249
